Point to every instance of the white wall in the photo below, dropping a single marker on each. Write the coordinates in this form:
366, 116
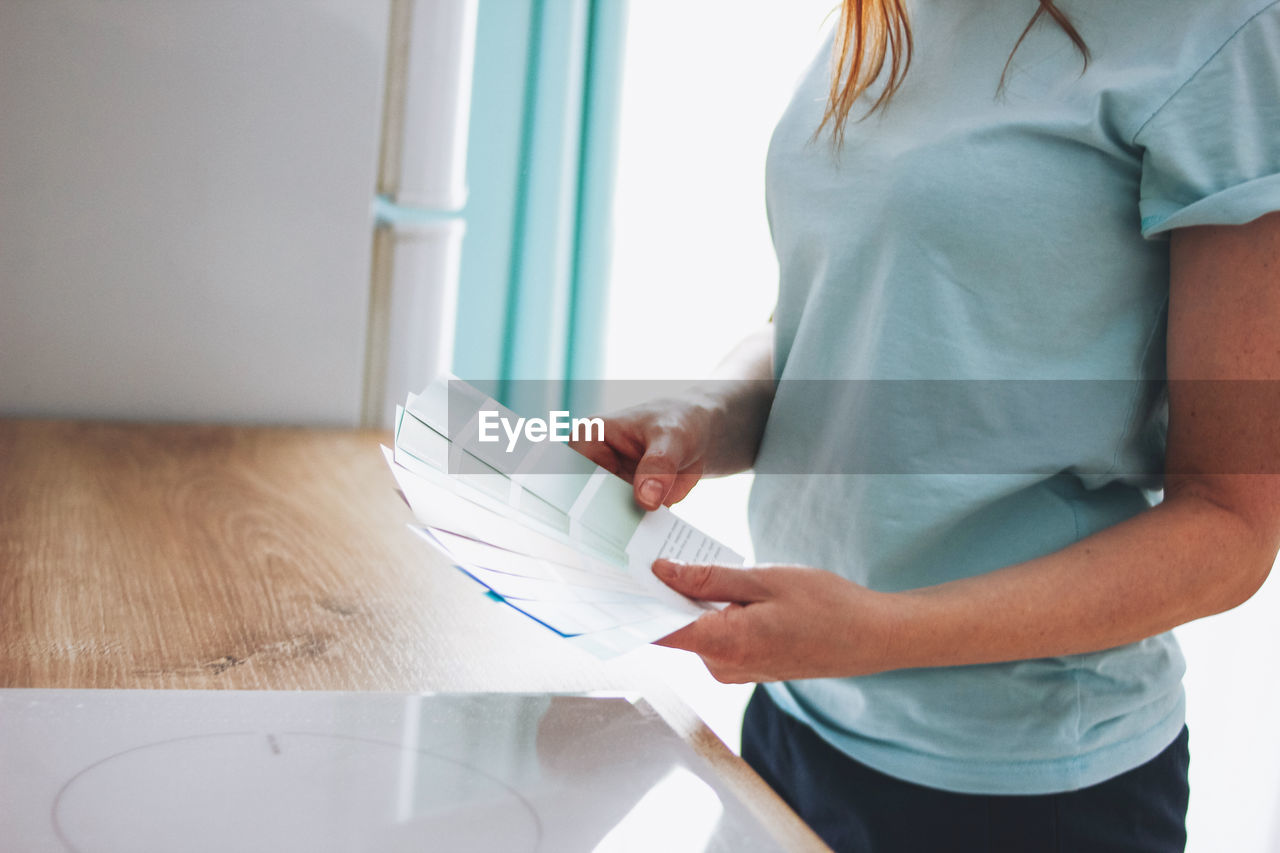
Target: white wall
184, 207
1233, 703
693, 268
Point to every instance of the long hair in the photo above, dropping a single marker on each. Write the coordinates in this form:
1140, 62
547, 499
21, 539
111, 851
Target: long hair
871, 31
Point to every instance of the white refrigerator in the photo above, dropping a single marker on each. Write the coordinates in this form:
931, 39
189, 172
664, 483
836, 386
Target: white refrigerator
229, 210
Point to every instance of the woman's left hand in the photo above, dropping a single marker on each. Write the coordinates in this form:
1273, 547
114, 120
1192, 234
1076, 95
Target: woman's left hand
783, 622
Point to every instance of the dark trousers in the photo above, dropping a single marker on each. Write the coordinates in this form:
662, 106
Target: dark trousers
855, 808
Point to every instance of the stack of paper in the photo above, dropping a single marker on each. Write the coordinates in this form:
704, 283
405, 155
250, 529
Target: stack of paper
543, 528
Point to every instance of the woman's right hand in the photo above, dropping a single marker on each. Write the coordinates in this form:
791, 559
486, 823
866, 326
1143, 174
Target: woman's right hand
660, 447
665, 446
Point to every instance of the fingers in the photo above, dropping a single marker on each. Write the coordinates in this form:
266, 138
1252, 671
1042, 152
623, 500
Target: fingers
601, 454
721, 639
690, 638
713, 583
707, 635
658, 470
656, 453
685, 481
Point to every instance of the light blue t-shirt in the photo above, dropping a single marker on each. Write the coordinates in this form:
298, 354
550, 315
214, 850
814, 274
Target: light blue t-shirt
970, 346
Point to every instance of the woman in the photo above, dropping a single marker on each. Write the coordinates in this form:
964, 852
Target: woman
1022, 290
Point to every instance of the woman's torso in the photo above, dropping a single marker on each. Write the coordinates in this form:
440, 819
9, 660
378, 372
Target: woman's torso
970, 347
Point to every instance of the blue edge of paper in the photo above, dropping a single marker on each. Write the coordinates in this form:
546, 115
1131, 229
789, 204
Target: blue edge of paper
488, 591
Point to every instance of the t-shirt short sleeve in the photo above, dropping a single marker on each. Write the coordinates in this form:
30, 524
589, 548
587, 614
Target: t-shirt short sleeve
1211, 152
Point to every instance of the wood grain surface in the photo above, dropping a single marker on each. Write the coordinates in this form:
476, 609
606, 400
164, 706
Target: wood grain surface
179, 556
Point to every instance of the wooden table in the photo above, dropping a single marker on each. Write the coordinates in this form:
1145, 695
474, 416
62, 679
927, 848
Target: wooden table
172, 556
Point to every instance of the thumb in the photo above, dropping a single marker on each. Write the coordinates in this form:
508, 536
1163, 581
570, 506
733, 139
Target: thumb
657, 469
712, 583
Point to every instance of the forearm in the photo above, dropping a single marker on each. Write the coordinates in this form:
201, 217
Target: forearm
1184, 559
736, 401
1207, 548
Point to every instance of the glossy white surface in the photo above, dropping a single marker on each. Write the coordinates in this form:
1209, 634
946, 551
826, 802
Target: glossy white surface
107, 771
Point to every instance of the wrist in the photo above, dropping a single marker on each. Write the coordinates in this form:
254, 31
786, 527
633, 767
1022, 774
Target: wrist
883, 632
733, 413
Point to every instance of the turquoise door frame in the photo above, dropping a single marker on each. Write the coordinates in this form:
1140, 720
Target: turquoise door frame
541, 158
